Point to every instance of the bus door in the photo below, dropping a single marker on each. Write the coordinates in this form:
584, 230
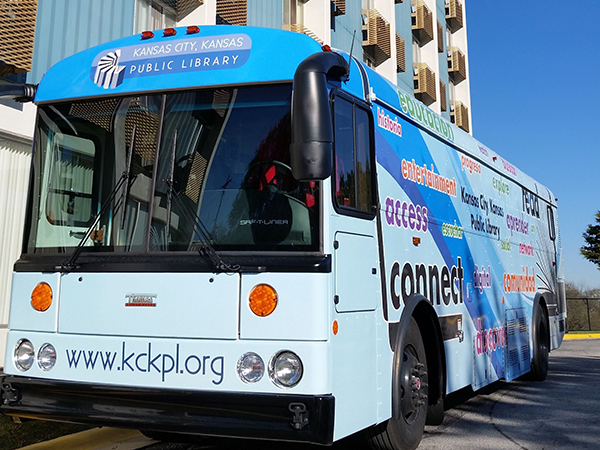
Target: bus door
357, 286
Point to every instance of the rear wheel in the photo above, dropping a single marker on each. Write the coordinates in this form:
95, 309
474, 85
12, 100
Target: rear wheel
409, 398
541, 345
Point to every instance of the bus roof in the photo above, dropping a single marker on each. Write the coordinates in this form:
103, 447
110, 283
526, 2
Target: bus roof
204, 56
229, 55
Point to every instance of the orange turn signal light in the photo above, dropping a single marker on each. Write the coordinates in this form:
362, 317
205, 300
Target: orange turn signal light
263, 300
41, 297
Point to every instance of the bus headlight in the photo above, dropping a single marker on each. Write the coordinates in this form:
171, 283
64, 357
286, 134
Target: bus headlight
250, 367
46, 357
24, 355
285, 369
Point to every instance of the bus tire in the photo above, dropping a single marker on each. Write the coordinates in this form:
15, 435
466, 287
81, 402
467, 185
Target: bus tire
409, 396
541, 344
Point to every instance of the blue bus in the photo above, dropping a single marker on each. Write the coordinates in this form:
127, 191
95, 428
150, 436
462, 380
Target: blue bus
236, 232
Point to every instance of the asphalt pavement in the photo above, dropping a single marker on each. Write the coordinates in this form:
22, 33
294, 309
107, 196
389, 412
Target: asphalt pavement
559, 413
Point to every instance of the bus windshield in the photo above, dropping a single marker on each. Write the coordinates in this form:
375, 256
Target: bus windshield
169, 173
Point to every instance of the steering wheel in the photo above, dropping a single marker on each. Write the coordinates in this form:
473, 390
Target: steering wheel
273, 176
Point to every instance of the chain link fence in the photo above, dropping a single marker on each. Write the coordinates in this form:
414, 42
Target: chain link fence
583, 314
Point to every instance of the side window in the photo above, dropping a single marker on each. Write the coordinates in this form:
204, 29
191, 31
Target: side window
70, 183
551, 228
353, 161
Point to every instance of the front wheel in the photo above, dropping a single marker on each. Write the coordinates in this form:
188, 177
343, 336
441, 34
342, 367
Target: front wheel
409, 398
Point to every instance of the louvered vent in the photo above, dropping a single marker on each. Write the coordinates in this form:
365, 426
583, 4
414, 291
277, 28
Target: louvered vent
302, 29
196, 177
17, 31
422, 22
98, 112
424, 83
183, 7
454, 15
400, 54
339, 7
440, 38
146, 129
457, 67
376, 36
443, 102
459, 115
232, 12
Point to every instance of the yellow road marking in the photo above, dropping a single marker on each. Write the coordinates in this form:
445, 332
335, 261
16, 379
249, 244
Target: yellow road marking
583, 336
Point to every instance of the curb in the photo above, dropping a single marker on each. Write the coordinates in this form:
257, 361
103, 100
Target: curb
96, 439
582, 336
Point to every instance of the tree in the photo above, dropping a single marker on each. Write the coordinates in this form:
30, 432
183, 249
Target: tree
591, 251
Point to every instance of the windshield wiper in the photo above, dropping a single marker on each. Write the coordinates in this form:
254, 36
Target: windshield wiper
125, 180
127, 175
171, 185
206, 248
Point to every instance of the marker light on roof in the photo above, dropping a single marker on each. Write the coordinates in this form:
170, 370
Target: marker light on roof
193, 29
326, 48
169, 32
147, 35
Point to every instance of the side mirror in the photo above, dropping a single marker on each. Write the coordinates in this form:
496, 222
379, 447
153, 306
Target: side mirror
18, 92
311, 149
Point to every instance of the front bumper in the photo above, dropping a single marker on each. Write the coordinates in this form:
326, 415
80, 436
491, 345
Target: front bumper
301, 418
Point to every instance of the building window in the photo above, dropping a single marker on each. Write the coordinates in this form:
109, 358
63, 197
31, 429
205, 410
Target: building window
293, 12
153, 15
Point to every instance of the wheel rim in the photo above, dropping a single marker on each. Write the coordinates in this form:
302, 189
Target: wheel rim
413, 386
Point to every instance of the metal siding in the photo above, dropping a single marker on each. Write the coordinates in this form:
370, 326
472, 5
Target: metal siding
15, 159
404, 29
443, 69
265, 13
65, 27
344, 27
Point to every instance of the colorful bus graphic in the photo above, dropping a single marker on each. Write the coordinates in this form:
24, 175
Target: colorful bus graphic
229, 238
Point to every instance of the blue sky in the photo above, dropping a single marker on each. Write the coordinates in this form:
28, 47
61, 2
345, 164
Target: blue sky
535, 99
